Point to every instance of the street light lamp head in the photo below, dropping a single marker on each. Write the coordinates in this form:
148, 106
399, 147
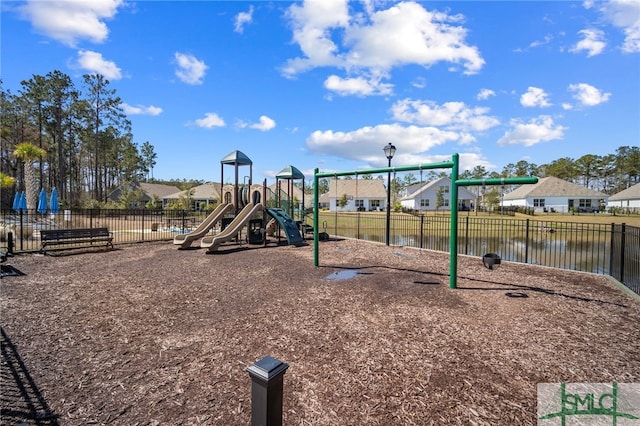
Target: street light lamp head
389, 151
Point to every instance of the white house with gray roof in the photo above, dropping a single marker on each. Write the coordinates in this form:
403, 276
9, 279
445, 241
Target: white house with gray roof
626, 199
551, 194
361, 195
424, 197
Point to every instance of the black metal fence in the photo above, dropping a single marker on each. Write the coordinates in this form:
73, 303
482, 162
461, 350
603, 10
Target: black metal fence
589, 247
127, 226
612, 249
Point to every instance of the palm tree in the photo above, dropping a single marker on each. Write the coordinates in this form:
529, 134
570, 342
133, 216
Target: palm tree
29, 153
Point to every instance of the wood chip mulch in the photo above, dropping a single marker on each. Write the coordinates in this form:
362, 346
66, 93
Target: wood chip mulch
150, 335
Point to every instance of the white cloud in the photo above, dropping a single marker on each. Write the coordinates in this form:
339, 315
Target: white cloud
419, 83
485, 94
357, 86
265, 124
593, 42
190, 70
242, 19
96, 64
535, 97
141, 109
71, 21
450, 115
547, 39
624, 14
540, 129
588, 95
374, 42
210, 120
365, 144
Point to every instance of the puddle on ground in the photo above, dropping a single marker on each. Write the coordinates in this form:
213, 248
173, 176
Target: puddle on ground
345, 274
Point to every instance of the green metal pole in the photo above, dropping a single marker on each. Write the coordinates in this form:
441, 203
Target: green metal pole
315, 217
497, 181
429, 166
453, 242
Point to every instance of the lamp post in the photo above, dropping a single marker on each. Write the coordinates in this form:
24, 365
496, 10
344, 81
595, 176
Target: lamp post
389, 151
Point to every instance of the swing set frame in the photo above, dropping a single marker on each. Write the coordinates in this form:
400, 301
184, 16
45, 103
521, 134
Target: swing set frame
455, 184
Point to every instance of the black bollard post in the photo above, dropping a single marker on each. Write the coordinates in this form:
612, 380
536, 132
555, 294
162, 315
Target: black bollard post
10, 242
266, 391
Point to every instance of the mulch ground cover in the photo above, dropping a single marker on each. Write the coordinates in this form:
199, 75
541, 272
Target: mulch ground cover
147, 334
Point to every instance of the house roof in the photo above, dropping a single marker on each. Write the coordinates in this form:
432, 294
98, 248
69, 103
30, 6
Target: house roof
360, 188
158, 189
415, 191
552, 187
207, 191
631, 193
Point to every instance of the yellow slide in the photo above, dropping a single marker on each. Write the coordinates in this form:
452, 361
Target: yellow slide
214, 241
185, 240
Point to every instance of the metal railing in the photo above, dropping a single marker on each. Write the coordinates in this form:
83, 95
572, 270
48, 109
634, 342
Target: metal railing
612, 249
126, 226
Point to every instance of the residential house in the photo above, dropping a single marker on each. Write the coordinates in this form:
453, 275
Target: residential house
360, 195
551, 194
149, 192
626, 199
424, 197
201, 196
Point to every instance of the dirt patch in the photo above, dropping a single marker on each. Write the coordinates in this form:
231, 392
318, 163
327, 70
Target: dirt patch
148, 334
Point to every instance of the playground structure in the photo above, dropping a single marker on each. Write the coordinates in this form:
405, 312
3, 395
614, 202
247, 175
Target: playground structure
247, 206
455, 184
286, 200
185, 240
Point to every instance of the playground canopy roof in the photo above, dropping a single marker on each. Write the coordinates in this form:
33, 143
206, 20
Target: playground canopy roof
290, 172
237, 158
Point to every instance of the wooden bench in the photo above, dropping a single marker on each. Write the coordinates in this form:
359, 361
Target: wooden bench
74, 237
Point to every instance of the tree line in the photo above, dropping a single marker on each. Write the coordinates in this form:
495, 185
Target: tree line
77, 139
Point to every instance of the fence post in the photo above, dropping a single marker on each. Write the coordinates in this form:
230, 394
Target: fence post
622, 234
10, 242
267, 376
612, 249
421, 230
466, 236
142, 226
526, 243
21, 228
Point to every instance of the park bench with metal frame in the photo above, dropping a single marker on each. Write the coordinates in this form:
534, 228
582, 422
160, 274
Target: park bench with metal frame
74, 238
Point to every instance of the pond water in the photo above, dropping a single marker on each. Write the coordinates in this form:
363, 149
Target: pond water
549, 250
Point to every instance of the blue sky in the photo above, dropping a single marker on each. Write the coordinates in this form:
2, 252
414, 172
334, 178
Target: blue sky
328, 83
